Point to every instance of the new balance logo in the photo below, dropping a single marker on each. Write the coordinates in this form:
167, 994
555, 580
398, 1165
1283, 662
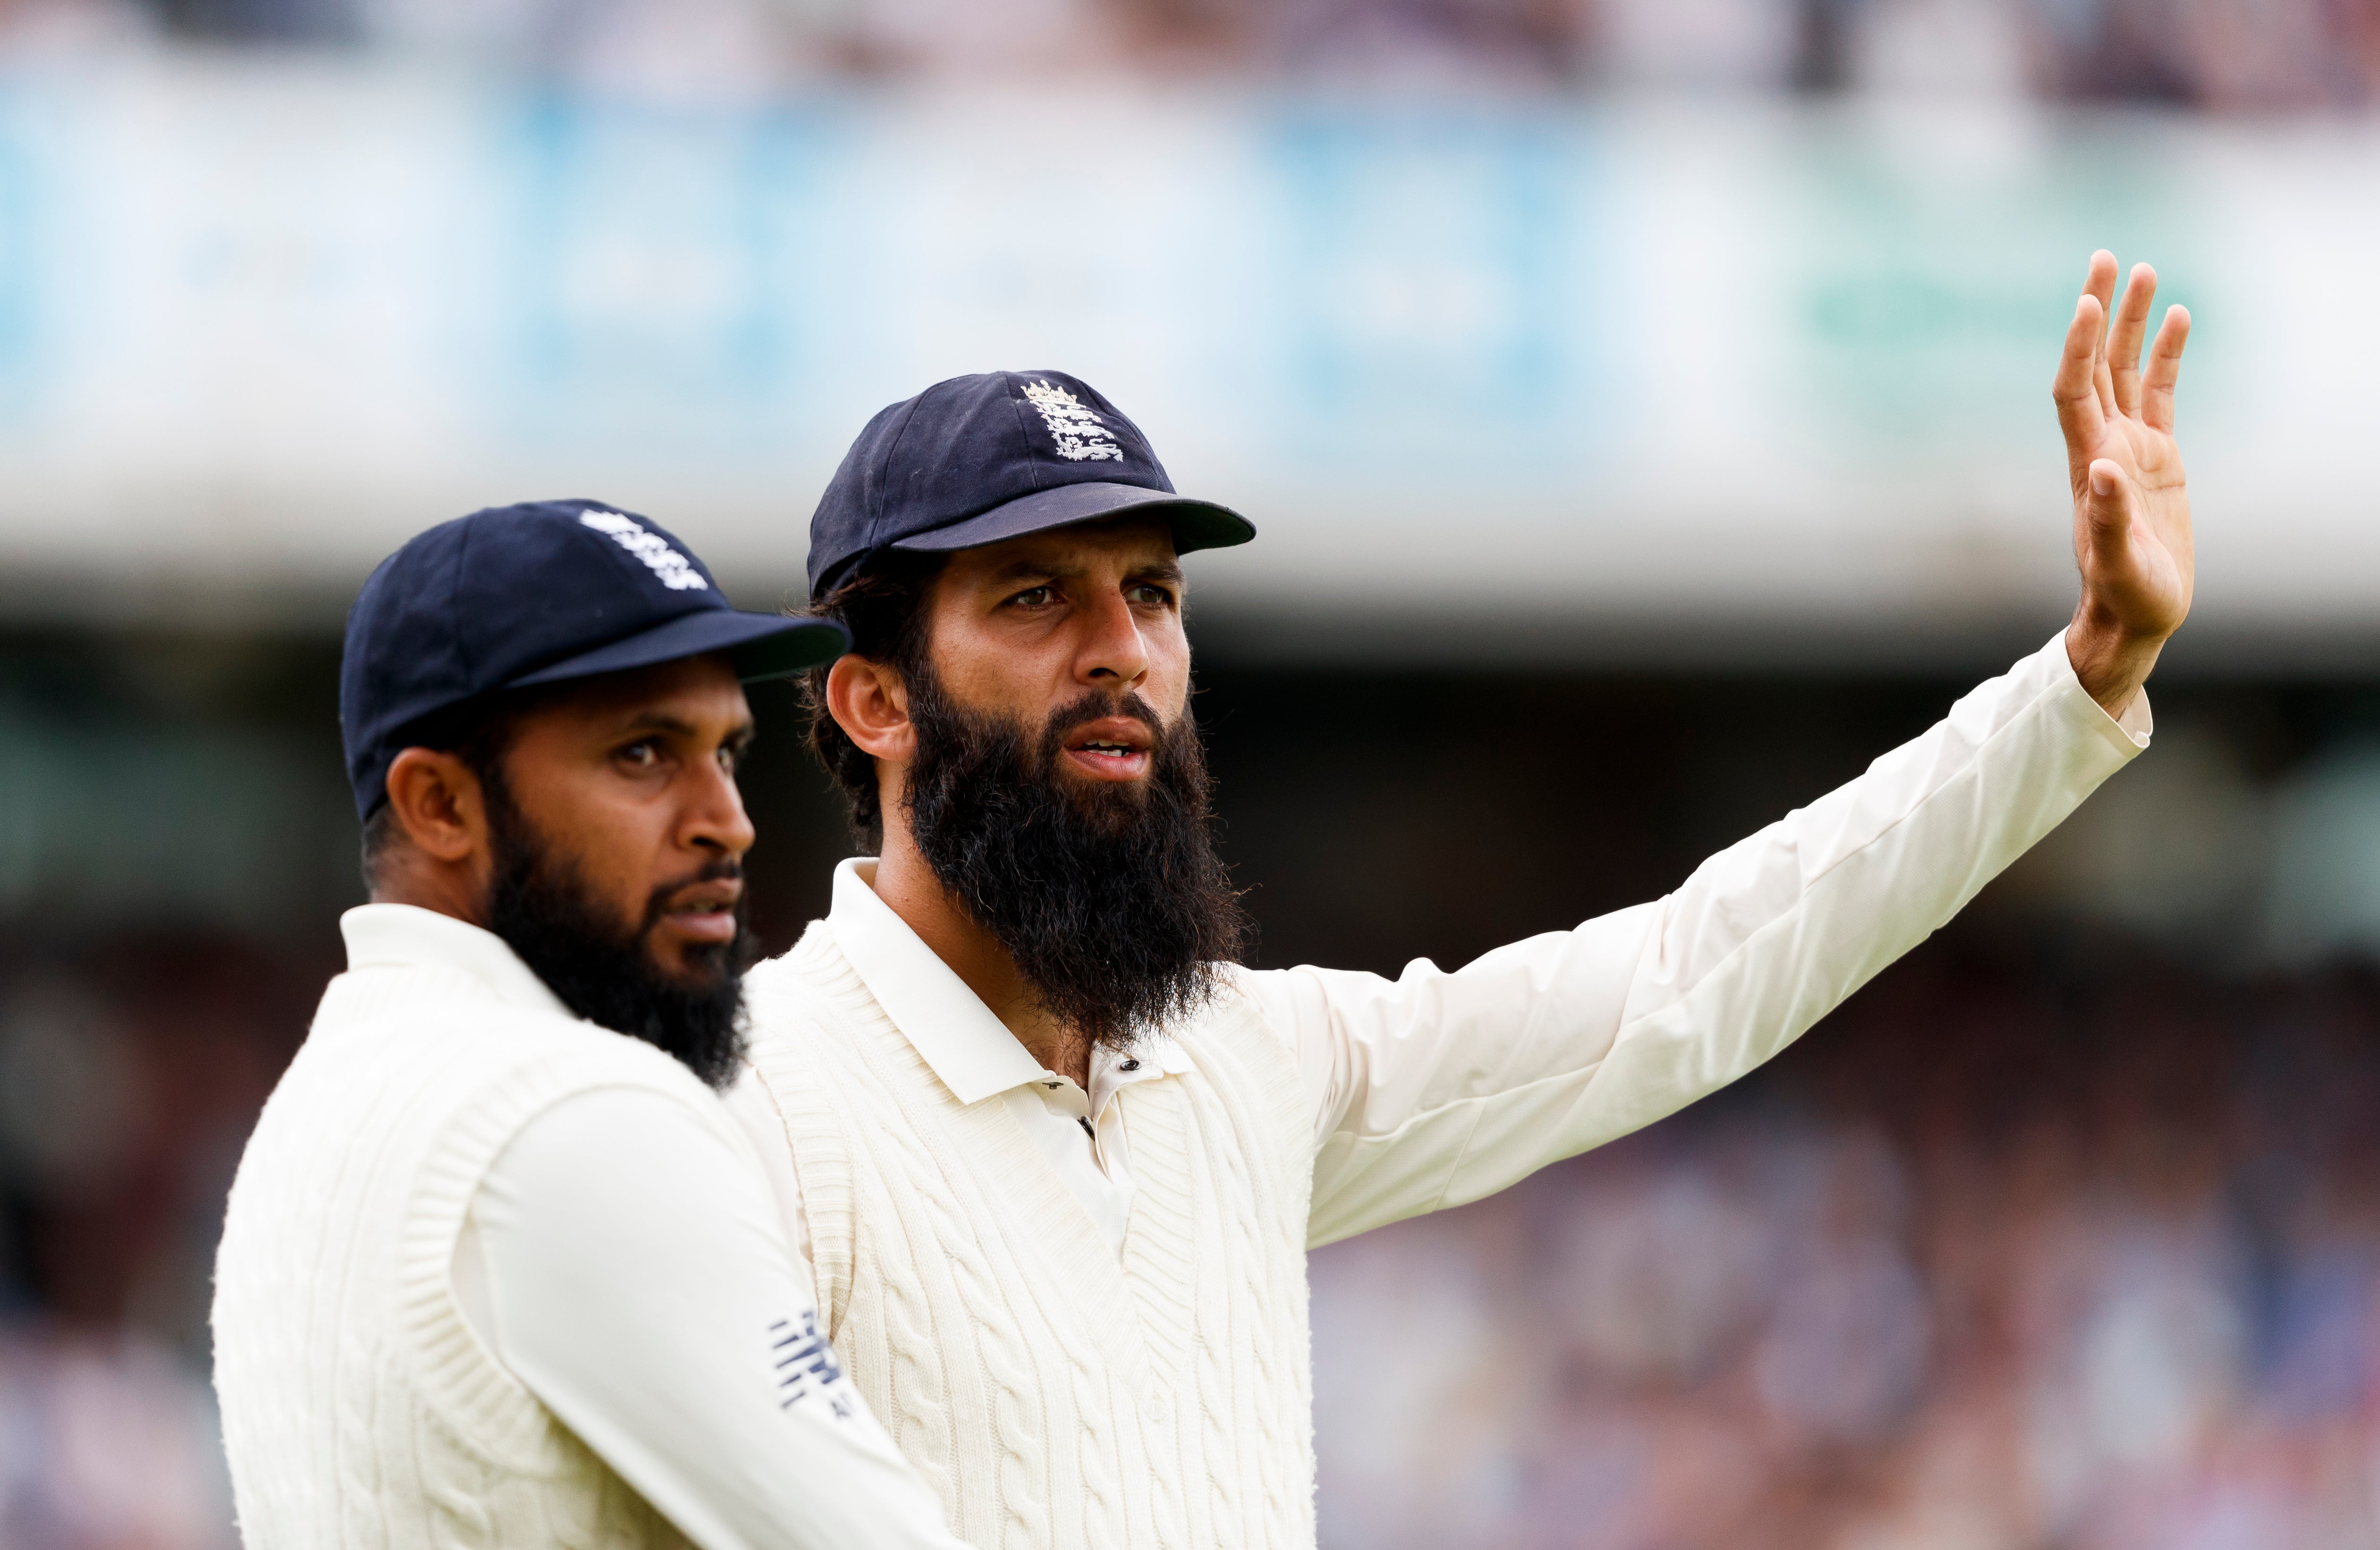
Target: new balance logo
805, 1364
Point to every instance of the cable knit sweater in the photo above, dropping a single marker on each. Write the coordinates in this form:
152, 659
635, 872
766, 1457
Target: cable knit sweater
359, 1410
1051, 1394
1057, 1392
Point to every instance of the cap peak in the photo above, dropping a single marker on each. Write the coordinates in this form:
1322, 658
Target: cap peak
974, 460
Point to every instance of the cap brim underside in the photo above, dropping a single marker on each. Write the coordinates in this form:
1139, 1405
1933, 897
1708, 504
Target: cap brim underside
1196, 524
758, 646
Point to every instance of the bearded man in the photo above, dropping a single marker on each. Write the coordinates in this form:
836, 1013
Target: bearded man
1055, 1160
498, 1270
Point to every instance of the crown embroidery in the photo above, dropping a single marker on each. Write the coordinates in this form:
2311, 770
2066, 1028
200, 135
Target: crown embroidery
677, 573
1079, 434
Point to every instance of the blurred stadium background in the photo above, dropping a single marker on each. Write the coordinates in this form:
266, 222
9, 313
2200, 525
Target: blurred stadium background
1645, 403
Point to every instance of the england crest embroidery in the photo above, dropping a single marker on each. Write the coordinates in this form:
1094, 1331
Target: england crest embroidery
1079, 434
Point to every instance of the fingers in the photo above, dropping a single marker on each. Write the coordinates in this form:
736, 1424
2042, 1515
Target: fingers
2099, 284
2080, 412
2164, 369
2124, 336
2100, 279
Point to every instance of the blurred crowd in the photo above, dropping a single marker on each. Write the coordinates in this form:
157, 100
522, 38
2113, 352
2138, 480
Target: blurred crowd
2007, 1255
2225, 55
131, 1068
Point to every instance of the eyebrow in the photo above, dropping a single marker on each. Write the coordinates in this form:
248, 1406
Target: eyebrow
1028, 570
662, 721
1021, 571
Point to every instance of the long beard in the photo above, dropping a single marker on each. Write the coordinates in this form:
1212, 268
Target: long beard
1109, 898
602, 967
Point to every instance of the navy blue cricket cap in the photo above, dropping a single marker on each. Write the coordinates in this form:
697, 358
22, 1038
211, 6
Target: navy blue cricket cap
976, 459
535, 593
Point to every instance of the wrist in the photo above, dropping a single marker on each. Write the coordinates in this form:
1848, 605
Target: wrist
2111, 660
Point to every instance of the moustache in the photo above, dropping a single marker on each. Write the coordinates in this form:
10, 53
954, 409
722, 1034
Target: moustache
1098, 706
724, 870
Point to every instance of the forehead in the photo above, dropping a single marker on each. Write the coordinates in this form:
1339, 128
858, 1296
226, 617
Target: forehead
1122, 545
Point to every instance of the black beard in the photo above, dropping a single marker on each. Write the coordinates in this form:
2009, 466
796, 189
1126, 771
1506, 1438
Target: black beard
1109, 900
603, 969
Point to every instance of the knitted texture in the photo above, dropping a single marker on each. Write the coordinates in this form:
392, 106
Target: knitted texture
360, 1409
1053, 1397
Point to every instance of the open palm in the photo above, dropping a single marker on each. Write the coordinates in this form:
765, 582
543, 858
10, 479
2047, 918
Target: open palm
2132, 503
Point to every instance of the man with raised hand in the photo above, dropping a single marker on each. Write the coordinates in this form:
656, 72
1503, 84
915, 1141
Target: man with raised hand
498, 1270
1055, 1160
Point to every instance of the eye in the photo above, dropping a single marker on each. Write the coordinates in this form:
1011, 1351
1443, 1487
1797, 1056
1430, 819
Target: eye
1041, 596
642, 754
1150, 594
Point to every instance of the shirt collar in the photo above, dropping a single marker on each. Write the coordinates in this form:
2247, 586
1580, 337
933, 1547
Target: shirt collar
971, 1050
405, 936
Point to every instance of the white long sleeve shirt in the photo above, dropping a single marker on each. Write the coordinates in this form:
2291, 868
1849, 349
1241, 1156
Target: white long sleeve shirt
1440, 1086
617, 1257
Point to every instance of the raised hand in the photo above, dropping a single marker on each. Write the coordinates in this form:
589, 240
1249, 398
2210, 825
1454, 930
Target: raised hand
2131, 506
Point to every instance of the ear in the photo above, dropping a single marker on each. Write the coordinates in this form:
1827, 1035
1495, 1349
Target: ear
870, 703
439, 804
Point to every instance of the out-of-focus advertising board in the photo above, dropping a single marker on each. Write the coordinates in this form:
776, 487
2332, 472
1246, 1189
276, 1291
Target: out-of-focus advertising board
1482, 375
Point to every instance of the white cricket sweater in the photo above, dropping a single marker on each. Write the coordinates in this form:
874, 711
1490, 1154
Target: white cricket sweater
1051, 1392
617, 1377
1061, 1389
359, 1407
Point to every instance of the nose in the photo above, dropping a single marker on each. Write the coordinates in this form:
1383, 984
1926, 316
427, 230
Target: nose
1114, 653
715, 819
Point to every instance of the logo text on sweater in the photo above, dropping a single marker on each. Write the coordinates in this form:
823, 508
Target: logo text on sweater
805, 1364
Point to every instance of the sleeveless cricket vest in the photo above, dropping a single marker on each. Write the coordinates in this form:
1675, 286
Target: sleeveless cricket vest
1054, 1395
360, 1409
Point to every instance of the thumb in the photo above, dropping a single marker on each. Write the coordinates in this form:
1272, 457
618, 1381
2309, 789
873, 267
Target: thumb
2108, 510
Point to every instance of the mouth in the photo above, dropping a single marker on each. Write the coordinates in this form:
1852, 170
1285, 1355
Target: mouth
704, 911
1112, 748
